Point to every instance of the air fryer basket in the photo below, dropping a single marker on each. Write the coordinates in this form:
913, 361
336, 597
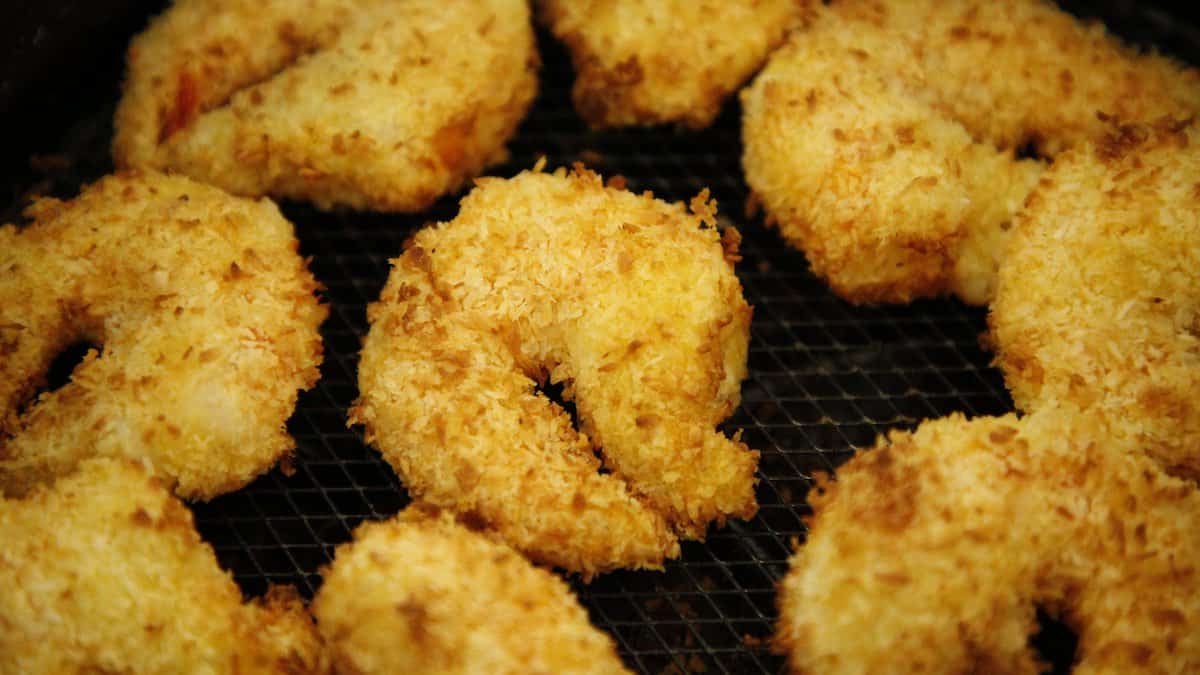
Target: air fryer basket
824, 376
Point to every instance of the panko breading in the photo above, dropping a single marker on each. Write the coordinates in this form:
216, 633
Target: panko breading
889, 199
371, 104
881, 139
628, 301
644, 63
1099, 297
206, 319
197, 55
104, 573
423, 594
931, 552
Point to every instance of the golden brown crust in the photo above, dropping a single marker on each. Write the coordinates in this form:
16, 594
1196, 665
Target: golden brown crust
931, 552
645, 63
1099, 298
881, 148
193, 58
423, 594
104, 572
628, 301
207, 321
360, 103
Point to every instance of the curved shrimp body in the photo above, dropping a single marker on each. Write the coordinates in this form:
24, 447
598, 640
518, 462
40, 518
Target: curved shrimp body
367, 104
631, 304
207, 320
879, 146
932, 552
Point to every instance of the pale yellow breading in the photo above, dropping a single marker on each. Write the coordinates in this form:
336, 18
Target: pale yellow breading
643, 63
422, 594
1099, 297
889, 199
1018, 72
196, 56
931, 552
207, 322
630, 302
104, 573
881, 138
370, 104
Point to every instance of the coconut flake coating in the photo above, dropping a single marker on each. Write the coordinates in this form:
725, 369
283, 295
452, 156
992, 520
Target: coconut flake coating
367, 104
1099, 296
882, 139
629, 302
103, 572
668, 61
931, 553
422, 594
207, 325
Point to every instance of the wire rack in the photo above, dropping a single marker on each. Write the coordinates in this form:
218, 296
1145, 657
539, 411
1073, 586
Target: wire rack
824, 377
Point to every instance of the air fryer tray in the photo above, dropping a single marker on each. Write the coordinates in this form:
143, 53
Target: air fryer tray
824, 376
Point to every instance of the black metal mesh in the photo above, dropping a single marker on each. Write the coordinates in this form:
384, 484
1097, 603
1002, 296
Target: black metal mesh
824, 376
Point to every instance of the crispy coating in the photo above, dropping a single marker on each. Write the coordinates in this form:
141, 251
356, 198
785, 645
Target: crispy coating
197, 55
644, 63
422, 594
931, 552
207, 324
1099, 298
628, 301
104, 573
881, 148
370, 104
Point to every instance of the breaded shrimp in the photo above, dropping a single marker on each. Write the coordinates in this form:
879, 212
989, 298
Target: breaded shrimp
207, 322
889, 200
104, 573
628, 301
1099, 297
931, 552
370, 104
881, 139
643, 63
1025, 73
422, 594
196, 56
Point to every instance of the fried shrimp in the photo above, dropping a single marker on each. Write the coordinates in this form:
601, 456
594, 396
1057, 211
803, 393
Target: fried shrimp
643, 63
423, 594
882, 139
370, 104
104, 573
1099, 298
207, 324
931, 552
628, 301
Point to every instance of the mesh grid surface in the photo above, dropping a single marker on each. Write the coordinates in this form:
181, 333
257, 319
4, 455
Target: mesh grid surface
824, 377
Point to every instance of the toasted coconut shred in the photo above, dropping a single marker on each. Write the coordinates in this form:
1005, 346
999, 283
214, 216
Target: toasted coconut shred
932, 552
105, 572
631, 304
421, 593
668, 61
882, 149
1099, 300
1001, 152
207, 321
367, 104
